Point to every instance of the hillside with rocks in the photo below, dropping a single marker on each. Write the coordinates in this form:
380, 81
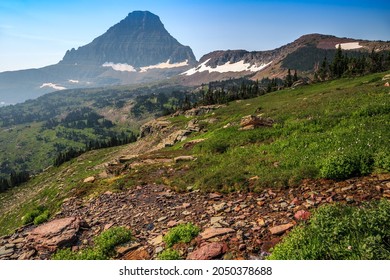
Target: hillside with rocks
245, 176
303, 55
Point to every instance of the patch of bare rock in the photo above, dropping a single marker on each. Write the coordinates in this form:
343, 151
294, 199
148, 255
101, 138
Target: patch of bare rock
233, 226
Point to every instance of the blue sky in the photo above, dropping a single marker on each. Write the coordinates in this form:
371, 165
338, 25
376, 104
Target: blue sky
38, 33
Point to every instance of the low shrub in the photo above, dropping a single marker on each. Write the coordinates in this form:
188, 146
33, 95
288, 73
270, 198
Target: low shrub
103, 249
338, 232
346, 165
34, 214
110, 238
181, 233
43, 217
169, 254
382, 161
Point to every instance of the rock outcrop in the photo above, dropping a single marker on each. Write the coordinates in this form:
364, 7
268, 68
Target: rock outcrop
55, 234
252, 122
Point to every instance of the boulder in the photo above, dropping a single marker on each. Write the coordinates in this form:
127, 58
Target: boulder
252, 122
386, 77
208, 251
201, 110
153, 127
183, 158
55, 234
174, 137
193, 125
90, 179
212, 232
302, 215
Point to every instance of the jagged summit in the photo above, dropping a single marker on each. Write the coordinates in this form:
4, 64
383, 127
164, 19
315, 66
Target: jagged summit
138, 40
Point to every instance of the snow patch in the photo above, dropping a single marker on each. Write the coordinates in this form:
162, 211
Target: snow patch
51, 85
73, 81
349, 46
123, 67
239, 66
164, 65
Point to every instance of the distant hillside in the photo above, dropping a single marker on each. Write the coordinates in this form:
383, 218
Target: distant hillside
35, 133
304, 54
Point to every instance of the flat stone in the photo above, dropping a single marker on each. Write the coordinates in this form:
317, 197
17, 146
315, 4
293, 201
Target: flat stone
18, 240
212, 232
159, 250
171, 224
215, 220
219, 207
89, 179
186, 205
186, 213
347, 188
124, 249
27, 255
108, 226
280, 229
261, 222
54, 234
156, 241
162, 219
139, 254
6, 252
183, 158
208, 251
215, 195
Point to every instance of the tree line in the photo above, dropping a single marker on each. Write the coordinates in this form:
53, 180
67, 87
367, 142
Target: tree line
14, 179
115, 140
343, 65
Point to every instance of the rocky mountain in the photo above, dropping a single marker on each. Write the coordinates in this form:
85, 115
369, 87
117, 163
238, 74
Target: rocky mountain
139, 40
303, 55
137, 49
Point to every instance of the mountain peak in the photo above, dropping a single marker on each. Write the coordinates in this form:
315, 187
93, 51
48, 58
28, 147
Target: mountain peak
138, 40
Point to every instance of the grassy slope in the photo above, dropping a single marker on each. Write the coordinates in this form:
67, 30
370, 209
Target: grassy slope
348, 116
315, 123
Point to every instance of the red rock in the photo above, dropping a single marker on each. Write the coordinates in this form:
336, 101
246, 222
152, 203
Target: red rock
295, 201
215, 195
54, 234
302, 215
107, 226
171, 224
280, 229
212, 232
267, 245
139, 254
208, 251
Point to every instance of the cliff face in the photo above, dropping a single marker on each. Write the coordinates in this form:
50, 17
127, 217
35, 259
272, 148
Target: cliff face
138, 40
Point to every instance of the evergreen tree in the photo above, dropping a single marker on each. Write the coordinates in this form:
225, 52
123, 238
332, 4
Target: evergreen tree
295, 77
338, 66
323, 72
289, 79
